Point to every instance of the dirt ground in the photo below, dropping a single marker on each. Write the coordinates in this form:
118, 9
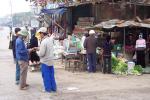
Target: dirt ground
71, 86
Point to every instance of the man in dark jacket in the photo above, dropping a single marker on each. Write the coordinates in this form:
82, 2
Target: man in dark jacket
90, 45
107, 46
34, 43
15, 36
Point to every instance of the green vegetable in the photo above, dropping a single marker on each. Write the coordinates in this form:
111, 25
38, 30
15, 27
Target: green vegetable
138, 70
118, 67
121, 68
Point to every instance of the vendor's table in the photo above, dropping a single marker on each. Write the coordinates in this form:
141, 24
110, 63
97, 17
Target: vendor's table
69, 58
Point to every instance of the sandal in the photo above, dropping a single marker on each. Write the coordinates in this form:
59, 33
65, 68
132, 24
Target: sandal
26, 85
24, 88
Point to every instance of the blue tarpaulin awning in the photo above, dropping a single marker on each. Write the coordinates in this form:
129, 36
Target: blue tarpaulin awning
54, 11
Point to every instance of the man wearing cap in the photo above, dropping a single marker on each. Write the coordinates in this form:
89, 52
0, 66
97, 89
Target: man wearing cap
90, 45
46, 58
22, 56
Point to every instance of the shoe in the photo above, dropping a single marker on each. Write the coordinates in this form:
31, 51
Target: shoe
17, 83
27, 85
32, 68
54, 91
44, 91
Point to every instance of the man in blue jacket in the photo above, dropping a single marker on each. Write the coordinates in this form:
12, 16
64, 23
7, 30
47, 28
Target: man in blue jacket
14, 38
22, 56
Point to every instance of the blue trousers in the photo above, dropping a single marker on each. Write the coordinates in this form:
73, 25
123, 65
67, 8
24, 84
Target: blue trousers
17, 71
48, 77
92, 62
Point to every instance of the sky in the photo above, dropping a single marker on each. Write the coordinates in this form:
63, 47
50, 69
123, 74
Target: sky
17, 6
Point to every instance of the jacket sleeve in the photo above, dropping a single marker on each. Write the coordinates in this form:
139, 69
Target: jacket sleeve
14, 47
85, 43
21, 48
42, 49
96, 42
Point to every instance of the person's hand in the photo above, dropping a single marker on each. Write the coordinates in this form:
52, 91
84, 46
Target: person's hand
53, 34
31, 50
113, 41
36, 48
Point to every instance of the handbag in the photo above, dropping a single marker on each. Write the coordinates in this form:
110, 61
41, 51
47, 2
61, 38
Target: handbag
10, 41
10, 44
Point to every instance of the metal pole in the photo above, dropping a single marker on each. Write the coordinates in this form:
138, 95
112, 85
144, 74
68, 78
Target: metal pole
11, 26
11, 14
124, 40
135, 10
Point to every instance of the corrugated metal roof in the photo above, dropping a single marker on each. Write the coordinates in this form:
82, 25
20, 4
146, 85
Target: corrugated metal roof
116, 23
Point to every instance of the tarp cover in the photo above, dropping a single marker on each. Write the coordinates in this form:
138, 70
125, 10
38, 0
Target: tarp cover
54, 11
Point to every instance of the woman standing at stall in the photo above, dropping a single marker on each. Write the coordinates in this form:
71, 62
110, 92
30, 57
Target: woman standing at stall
140, 51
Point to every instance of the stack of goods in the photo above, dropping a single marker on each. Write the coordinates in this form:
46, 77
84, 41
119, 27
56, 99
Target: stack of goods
120, 67
147, 21
82, 23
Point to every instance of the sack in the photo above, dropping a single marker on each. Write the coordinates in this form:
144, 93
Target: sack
10, 45
134, 57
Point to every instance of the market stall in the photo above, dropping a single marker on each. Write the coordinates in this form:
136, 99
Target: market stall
130, 29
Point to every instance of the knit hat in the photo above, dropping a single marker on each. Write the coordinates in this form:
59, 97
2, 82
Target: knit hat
23, 32
91, 32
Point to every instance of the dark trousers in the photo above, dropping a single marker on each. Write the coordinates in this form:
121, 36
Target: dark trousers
107, 64
140, 58
91, 62
48, 77
17, 71
149, 56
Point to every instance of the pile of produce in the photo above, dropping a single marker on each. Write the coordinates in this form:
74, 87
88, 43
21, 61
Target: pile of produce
121, 68
118, 66
138, 70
